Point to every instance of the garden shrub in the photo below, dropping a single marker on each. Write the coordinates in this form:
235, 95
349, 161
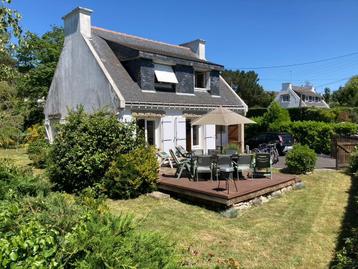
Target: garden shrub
20, 181
345, 128
301, 159
11, 134
63, 231
275, 113
38, 152
132, 174
85, 146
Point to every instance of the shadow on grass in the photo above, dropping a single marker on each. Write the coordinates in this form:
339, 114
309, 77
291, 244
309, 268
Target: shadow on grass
350, 220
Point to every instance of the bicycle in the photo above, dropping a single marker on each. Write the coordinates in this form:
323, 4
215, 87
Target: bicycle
268, 148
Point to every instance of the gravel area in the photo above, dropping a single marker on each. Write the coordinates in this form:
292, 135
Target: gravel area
323, 162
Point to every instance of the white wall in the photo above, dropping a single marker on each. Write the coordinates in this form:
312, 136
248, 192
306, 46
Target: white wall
79, 80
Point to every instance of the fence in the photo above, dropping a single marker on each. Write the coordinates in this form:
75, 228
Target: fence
342, 148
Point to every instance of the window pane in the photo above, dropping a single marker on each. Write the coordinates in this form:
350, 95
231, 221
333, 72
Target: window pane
200, 81
150, 132
195, 135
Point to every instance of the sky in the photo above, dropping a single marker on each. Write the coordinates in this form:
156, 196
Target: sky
282, 36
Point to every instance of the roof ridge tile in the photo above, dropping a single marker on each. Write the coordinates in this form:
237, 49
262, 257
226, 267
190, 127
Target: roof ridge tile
140, 38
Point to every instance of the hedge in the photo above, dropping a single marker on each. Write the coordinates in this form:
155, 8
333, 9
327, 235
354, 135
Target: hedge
336, 114
317, 135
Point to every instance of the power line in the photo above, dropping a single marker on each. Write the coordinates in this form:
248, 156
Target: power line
299, 64
333, 82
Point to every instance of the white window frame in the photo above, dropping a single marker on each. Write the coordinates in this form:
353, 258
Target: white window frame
196, 146
206, 78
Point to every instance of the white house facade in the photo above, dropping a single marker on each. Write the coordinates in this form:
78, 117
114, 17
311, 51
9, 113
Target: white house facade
162, 87
299, 96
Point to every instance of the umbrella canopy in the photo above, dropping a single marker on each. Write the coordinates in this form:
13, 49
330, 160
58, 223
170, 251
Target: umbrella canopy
222, 116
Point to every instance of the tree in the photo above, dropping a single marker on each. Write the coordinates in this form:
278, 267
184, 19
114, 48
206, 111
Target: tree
347, 95
9, 24
327, 95
9, 27
246, 85
275, 114
37, 58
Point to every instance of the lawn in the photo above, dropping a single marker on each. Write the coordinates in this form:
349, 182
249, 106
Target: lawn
19, 157
298, 230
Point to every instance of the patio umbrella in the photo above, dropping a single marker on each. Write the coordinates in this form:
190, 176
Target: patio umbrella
223, 117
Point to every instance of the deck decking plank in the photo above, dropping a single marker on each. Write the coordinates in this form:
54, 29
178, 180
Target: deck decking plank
207, 190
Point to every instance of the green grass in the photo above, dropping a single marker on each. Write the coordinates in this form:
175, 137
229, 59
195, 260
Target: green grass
19, 157
299, 230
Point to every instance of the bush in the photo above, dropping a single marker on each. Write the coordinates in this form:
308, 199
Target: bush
20, 181
85, 147
132, 174
35, 132
10, 129
301, 159
353, 162
38, 152
62, 231
275, 113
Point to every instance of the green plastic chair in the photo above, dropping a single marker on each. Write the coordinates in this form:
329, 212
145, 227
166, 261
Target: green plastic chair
181, 165
263, 165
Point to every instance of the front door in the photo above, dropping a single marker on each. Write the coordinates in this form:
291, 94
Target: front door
233, 134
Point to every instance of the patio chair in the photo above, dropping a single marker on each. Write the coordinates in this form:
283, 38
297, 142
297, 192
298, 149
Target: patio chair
243, 163
181, 165
224, 165
263, 165
164, 158
181, 151
197, 152
203, 165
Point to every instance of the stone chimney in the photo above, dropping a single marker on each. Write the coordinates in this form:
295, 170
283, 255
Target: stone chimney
78, 21
197, 46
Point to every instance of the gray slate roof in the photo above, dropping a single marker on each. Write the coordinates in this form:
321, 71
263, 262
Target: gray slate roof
147, 45
132, 92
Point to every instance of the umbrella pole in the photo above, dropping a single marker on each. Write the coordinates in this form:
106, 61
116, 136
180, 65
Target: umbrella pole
221, 139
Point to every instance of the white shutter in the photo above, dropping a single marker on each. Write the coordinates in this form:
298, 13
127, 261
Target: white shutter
167, 133
180, 131
209, 137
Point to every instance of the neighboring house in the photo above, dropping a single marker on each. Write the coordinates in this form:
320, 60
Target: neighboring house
161, 86
299, 96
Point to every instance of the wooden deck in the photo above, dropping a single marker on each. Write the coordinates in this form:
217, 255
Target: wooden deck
207, 191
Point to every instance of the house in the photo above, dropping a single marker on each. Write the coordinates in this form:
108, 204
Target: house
299, 96
162, 87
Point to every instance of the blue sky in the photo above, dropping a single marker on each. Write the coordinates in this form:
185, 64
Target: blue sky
239, 34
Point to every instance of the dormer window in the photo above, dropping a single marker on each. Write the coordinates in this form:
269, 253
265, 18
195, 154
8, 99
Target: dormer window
201, 80
165, 78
